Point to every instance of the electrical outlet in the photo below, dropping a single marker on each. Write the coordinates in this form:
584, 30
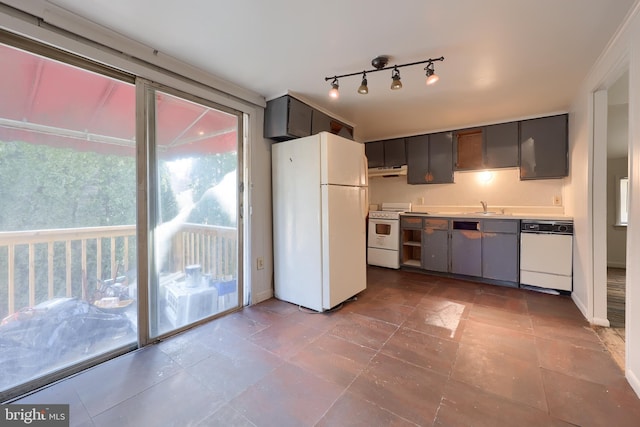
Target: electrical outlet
557, 200
260, 263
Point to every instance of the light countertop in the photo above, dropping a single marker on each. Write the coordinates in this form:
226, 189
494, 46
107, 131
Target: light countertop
548, 213
480, 215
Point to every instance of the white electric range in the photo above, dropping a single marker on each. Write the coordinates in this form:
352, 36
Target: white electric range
383, 243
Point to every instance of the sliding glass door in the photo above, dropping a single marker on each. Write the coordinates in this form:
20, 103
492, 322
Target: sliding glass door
108, 242
195, 212
68, 247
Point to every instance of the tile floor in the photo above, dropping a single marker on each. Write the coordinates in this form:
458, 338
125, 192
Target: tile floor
412, 350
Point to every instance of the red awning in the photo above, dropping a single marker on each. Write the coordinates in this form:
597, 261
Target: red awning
43, 101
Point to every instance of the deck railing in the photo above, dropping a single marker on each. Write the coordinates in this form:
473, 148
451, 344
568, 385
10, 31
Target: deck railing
37, 265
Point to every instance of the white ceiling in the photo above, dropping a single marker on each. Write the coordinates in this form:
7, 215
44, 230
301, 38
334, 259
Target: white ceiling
504, 59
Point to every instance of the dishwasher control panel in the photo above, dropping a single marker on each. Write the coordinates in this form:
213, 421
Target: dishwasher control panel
547, 227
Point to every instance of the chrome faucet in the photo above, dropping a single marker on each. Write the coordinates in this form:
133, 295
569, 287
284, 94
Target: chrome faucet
484, 206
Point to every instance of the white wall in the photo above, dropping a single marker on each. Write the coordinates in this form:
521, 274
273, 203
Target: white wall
616, 235
622, 52
259, 223
504, 190
633, 246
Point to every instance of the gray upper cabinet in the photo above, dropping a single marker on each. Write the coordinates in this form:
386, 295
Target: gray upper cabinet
388, 153
544, 147
394, 152
494, 146
441, 158
430, 159
468, 146
418, 159
375, 153
321, 122
501, 145
288, 118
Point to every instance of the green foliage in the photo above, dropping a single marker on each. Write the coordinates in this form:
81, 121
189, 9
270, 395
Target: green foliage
44, 187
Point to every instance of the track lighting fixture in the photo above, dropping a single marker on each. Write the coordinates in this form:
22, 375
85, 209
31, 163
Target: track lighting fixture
395, 79
380, 63
334, 93
363, 89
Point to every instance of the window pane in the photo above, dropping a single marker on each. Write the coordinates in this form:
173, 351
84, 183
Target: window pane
196, 244
67, 216
624, 200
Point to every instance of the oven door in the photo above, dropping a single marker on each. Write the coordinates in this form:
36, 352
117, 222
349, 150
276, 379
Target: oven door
383, 234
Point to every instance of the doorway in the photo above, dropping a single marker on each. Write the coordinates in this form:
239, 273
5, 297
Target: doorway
613, 214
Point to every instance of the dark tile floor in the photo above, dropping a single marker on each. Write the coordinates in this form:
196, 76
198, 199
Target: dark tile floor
412, 350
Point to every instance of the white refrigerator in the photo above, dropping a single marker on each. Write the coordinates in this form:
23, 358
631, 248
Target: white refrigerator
320, 202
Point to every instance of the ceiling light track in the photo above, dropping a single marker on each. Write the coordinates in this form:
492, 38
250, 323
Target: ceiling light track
380, 64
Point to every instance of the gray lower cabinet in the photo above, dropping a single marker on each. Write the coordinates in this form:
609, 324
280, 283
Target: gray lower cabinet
435, 244
500, 250
483, 248
466, 248
411, 241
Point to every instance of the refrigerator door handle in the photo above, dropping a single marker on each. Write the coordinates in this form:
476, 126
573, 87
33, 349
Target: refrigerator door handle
365, 205
365, 171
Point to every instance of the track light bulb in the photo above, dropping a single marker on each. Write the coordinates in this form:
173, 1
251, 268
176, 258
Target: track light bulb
432, 77
396, 83
334, 93
363, 89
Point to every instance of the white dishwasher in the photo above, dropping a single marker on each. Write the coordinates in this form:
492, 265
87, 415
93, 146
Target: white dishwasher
546, 254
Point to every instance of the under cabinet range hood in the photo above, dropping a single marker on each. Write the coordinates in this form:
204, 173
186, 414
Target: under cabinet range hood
387, 171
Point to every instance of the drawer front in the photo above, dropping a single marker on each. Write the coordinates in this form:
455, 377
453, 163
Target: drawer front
436, 224
411, 222
500, 225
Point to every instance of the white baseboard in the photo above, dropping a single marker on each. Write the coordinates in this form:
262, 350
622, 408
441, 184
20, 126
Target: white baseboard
598, 321
633, 381
262, 296
581, 306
